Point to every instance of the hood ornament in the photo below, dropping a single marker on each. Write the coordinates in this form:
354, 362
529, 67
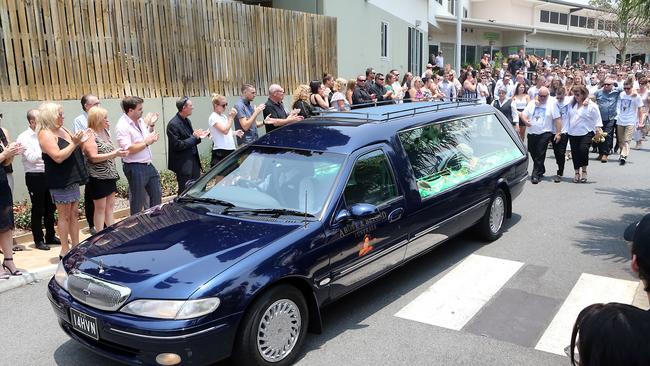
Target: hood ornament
101, 267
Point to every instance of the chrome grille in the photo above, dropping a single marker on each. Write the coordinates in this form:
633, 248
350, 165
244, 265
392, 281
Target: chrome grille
97, 293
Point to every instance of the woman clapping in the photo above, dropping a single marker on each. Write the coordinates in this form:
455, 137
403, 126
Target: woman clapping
100, 153
65, 170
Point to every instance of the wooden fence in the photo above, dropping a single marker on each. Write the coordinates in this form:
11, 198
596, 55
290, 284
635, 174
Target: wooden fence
62, 49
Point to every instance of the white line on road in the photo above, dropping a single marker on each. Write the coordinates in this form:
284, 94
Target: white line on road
453, 300
588, 290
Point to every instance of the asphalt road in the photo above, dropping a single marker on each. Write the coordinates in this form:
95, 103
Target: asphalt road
559, 232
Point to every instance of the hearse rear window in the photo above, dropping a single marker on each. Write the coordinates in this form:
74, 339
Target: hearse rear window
446, 154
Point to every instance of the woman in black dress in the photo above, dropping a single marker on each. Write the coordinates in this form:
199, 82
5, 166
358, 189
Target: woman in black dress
7, 213
65, 169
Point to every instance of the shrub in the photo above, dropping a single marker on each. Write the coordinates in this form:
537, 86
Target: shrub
168, 183
23, 215
205, 162
122, 189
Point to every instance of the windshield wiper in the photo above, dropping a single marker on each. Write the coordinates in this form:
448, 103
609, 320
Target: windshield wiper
205, 200
270, 211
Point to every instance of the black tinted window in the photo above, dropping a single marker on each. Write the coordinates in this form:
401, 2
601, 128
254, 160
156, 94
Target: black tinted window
371, 180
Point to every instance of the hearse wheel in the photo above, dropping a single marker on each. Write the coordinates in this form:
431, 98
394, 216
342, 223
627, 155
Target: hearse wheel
491, 225
273, 329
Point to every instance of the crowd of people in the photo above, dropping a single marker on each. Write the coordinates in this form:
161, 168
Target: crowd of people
572, 108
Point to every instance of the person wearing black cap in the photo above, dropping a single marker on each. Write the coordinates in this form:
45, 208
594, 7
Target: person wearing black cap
639, 235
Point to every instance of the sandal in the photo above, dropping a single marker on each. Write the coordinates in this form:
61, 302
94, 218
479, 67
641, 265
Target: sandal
576, 179
13, 273
584, 177
17, 249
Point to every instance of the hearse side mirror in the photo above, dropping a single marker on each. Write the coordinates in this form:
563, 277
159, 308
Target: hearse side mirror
362, 211
189, 183
358, 211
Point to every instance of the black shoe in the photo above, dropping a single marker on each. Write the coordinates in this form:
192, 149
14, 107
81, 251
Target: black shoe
41, 245
557, 179
53, 241
621, 161
535, 180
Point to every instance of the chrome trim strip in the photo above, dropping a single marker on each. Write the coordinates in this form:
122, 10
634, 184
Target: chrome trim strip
165, 337
370, 259
428, 230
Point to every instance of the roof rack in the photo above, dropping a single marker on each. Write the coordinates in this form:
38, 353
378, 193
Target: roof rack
357, 115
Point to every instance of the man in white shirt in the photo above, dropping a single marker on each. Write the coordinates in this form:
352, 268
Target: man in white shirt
135, 134
628, 110
42, 205
81, 121
88, 101
508, 84
539, 117
440, 61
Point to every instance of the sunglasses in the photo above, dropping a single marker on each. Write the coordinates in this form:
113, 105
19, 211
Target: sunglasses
607, 84
542, 96
223, 105
361, 80
627, 88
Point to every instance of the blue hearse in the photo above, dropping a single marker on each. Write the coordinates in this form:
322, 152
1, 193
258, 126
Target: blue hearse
242, 262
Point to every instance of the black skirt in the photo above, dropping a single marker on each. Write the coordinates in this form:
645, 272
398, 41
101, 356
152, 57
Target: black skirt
6, 205
101, 188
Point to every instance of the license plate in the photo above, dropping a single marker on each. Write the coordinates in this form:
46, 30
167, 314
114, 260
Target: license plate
85, 324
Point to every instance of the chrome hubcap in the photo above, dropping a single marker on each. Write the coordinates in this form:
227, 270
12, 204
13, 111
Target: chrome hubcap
497, 212
279, 330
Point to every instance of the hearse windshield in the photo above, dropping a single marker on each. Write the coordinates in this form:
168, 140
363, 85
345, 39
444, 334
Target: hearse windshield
270, 180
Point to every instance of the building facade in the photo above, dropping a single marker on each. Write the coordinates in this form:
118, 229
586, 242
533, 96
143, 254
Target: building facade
542, 27
382, 34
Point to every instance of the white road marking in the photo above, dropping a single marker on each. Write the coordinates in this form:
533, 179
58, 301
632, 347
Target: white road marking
588, 290
453, 300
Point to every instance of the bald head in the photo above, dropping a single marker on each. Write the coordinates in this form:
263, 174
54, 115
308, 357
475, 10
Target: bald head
276, 93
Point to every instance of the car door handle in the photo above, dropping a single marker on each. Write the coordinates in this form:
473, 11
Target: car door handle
395, 215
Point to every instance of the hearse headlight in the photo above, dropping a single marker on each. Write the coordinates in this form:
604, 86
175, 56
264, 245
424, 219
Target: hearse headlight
172, 309
61, 276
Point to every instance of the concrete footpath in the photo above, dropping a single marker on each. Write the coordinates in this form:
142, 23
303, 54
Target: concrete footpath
35, 264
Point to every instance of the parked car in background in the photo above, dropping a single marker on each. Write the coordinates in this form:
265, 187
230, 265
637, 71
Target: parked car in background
241, 264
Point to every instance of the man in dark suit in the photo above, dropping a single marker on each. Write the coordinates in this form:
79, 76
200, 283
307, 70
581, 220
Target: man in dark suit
182, 140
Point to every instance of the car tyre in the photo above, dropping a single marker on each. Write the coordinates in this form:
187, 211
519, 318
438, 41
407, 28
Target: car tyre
490, 227
273, 329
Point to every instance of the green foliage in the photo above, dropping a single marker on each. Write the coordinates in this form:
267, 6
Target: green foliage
122, 189
168, 183
205, 162
82, 206
498, 60
23, 215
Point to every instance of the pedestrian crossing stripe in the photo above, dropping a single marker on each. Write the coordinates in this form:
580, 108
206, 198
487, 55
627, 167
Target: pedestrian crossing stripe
455, 299
589, 289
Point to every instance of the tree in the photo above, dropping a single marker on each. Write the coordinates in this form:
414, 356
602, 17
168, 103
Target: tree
621, 21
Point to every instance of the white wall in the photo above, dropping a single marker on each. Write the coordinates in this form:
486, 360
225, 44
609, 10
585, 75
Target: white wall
557, 42
359, 37
416, 9
506, 11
